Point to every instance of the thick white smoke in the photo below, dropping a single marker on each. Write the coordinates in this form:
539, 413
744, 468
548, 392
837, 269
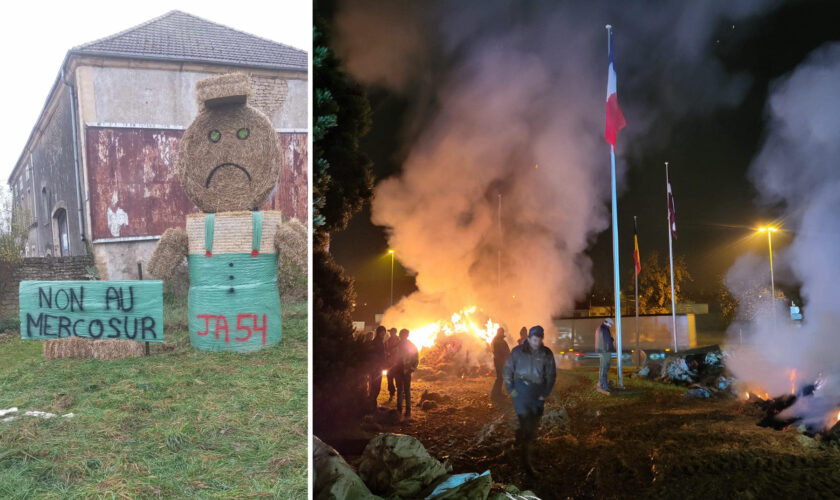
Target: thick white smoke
799, 168
518, 85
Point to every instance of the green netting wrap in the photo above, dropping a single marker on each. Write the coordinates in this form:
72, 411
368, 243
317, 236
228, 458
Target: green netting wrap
234, 304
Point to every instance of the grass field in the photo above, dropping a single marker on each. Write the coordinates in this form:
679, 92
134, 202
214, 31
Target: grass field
179, 423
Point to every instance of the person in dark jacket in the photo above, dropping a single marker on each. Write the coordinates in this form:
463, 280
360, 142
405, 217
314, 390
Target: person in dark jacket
375, 364
391, 355
605, 345
529, 376
407, 361
501, 352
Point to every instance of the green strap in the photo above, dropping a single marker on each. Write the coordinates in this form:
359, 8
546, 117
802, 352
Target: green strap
209, 222
256, 221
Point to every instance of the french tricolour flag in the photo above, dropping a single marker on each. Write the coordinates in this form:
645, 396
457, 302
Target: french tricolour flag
615, 118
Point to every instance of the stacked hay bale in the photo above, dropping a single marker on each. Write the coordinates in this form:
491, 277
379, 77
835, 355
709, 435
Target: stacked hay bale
78, 348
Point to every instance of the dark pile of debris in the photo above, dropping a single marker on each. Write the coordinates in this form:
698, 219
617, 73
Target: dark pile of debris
381, 417
398, 466
457, 355
431, 400
700, 369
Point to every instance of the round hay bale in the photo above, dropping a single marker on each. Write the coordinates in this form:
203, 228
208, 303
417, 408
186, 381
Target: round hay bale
229, 157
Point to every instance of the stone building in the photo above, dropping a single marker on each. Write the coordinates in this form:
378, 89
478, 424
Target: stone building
97, 174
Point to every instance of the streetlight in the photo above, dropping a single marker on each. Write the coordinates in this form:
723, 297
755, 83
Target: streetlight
770, 230
392, 276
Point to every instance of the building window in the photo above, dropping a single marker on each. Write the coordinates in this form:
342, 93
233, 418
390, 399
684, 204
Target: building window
60, 231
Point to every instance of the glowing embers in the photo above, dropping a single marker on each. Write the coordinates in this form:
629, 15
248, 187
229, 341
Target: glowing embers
756, 395
464, 321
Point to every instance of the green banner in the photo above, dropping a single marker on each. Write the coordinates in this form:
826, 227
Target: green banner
101, 310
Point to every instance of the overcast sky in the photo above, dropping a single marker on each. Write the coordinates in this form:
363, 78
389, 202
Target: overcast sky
36, 35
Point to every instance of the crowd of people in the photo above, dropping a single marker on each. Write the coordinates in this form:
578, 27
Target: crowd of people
395, 358
528, 373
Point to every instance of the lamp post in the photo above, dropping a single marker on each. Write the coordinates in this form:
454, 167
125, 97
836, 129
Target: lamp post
392, 276
770, 231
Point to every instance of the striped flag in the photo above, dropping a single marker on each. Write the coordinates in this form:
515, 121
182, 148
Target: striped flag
672, 212
636, 259
615, 118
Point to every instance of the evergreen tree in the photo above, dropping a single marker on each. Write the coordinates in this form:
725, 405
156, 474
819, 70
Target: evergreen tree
342, 184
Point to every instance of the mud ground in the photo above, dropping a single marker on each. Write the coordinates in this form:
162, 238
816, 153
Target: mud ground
648, 441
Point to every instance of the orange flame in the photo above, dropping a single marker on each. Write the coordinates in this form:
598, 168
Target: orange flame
793, 381
460, 322
758, 393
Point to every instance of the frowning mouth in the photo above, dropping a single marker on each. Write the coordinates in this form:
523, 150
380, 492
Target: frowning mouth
213, 172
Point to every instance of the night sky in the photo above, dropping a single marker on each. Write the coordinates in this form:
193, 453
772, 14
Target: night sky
717, 206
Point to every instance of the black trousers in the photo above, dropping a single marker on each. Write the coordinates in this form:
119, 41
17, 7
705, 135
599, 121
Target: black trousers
529, 423
403, 381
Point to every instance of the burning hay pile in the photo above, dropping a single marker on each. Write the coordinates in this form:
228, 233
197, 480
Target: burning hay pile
398, 466
456, 355
777, 413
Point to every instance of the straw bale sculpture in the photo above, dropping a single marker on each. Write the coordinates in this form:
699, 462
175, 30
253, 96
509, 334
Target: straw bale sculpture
228, 163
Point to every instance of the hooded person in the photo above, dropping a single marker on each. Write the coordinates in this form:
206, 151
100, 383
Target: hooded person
501, 352
529, 375
523, 335
605, 345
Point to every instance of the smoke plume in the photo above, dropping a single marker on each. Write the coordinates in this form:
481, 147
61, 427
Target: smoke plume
797, 168
518, 114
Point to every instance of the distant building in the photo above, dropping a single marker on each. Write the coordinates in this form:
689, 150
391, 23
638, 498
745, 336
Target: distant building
97, 173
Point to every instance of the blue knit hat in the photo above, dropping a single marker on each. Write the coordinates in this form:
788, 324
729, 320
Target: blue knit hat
536, 331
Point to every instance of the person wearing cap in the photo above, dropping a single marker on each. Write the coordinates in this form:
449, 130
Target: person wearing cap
605, 345
529, 376
391, 357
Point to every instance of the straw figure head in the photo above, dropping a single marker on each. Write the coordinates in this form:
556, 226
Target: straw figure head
229, 157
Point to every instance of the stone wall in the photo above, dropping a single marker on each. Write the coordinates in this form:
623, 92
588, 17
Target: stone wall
38, 269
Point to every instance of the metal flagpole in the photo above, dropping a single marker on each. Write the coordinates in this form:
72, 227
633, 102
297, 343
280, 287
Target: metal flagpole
616, 273
635, 242
671, 253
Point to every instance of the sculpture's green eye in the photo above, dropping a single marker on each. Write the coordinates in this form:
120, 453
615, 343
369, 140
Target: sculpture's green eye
214, 136
243, 134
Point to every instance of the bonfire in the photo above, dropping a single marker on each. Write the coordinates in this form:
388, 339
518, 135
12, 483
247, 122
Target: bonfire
458, 347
